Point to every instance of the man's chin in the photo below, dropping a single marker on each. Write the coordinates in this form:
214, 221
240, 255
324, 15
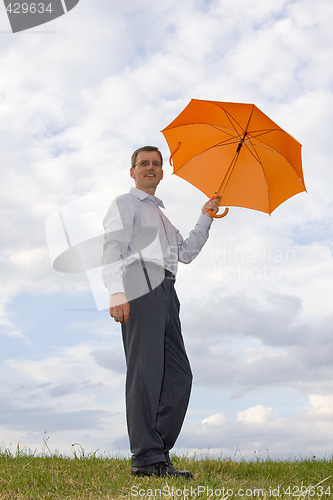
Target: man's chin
151, 185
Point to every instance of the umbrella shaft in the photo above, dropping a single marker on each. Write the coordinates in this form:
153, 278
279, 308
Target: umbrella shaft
228, 174
232, 164
241, 142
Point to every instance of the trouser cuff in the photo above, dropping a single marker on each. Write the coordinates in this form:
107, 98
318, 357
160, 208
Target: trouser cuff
153, 459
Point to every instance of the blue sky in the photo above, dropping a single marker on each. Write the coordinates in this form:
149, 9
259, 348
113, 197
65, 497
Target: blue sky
77, 96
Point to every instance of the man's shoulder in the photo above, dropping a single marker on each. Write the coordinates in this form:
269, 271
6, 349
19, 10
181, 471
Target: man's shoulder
127, 203
127, 199
124, 206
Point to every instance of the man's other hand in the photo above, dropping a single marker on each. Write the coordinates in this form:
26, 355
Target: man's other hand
119, 307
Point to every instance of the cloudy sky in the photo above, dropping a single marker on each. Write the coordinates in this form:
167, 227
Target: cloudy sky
77, 96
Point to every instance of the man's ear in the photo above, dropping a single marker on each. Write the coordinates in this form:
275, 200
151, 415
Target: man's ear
132, 172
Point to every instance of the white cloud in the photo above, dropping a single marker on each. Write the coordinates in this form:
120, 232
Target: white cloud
260, 431
256, 415
320, 408
216, 420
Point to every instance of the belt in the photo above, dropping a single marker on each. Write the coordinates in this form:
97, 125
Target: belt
169, 275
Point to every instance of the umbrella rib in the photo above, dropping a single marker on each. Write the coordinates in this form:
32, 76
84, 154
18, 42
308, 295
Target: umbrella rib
222, 129
259, 133
227, 176
225, 130
264, 146
230, 118
232, 139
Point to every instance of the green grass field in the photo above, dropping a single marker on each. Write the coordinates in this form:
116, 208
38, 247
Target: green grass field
26, 476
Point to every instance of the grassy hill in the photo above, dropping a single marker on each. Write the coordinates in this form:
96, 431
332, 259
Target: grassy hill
27, 476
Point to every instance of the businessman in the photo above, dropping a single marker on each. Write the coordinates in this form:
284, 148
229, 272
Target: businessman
141, 254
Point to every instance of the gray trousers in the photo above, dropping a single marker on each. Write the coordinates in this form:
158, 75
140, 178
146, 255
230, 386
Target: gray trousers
159, 378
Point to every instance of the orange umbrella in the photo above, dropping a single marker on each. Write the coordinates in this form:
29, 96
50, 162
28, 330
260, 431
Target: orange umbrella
235, 151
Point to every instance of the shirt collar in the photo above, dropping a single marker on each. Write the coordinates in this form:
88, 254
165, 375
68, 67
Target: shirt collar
142, 195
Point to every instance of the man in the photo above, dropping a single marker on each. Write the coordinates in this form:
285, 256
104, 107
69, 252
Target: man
141, 253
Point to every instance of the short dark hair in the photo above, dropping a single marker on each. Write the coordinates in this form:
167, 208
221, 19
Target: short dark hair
144, 148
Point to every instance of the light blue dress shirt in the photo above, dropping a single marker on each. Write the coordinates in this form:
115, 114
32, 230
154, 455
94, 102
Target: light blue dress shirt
136, 228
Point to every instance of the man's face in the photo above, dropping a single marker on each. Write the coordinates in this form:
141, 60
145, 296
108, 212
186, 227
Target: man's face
148, 171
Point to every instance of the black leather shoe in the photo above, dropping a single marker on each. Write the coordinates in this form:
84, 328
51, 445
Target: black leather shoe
157, 469
172, 471
160, 469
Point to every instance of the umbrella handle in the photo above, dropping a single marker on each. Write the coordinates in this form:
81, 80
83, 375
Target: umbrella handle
218, 216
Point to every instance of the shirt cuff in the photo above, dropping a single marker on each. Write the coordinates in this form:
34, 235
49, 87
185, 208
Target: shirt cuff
205, 221
112, 279
112, 289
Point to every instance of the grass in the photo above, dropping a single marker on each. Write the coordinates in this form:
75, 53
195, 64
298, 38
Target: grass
24, 475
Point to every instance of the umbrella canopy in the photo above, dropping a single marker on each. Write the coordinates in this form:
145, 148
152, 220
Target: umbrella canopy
235, 151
